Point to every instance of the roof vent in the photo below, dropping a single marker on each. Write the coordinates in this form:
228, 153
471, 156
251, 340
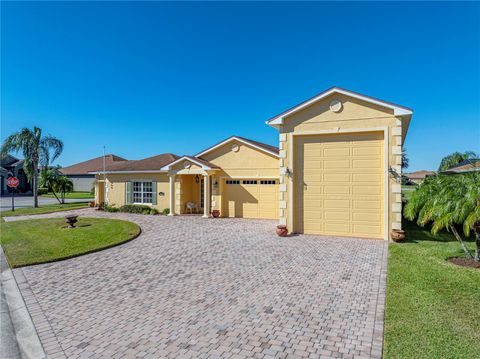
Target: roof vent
335, 106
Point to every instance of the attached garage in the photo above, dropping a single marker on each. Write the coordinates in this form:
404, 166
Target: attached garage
340, 184
341, 165
250, 198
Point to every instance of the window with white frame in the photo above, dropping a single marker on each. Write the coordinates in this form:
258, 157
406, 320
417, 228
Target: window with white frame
142, 192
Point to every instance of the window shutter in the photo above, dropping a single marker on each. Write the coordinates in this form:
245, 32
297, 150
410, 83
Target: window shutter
129, 193
154, 193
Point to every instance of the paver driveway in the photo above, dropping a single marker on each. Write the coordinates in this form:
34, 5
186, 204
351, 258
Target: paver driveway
212, 288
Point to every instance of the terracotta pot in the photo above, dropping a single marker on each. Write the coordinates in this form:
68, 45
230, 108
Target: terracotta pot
216, 213
397, 235
282, 230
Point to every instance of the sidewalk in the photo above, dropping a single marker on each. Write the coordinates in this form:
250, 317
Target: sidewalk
19, 338
8, 347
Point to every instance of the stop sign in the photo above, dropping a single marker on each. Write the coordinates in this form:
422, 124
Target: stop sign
12, 182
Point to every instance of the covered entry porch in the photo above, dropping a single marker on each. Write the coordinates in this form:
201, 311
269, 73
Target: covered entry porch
192, 185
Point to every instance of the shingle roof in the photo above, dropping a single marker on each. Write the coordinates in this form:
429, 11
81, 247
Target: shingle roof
420, 174
95, 164
470, 165
153, 163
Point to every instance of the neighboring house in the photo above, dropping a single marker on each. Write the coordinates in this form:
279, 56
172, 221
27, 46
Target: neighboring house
419, 176
80, 174
471, 165
12, 166
329, 176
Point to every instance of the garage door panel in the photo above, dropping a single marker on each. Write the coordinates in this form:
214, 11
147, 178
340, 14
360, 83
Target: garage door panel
369, 164
332, 152
255, 200
342, 228
366, 189
336, 215
368, 230
339, 180
367, 151
337, 203
336, 189
336, 177
335, 164
373, 216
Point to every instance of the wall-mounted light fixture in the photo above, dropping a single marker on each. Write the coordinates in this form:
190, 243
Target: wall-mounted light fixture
197, 179
288, 172
396, 176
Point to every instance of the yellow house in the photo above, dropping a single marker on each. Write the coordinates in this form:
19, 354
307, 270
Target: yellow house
336, 171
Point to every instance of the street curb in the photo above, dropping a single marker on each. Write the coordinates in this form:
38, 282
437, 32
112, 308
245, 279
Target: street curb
27, 337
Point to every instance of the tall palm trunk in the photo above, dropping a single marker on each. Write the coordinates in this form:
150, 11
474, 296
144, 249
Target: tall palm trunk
462, 242
35, 185
476, 230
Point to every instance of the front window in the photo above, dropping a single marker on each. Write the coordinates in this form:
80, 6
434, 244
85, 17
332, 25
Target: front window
142, 192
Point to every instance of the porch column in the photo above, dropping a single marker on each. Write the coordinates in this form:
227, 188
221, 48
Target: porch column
206, 196
172, 195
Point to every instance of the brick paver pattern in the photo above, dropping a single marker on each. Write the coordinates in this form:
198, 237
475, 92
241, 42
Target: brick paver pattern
190, 287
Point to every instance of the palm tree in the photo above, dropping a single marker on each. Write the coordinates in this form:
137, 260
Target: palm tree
455, 158
48, 179
36, 151
63, 185
448, 202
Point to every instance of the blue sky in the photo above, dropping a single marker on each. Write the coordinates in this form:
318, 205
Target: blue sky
148, 78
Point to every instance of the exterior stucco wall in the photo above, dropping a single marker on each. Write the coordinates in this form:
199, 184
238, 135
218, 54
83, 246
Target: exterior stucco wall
356, 116
116, 187
82, 183
247, 162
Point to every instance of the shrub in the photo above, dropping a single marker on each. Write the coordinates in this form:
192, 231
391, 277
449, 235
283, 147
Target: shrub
154, 211
41, 191
135, 208
166, 211
111, 209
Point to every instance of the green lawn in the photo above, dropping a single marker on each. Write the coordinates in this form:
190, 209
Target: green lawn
71, 195
433, 307
407, 192
48, 208
46, 240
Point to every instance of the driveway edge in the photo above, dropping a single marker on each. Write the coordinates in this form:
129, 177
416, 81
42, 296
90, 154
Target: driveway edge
26, 335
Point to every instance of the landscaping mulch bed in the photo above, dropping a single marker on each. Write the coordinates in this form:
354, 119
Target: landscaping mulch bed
464, 262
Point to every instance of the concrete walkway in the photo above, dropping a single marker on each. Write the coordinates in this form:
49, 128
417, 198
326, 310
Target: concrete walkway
8, 348
190, 287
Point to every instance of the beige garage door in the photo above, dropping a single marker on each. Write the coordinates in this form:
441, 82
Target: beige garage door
250, 198
340, 185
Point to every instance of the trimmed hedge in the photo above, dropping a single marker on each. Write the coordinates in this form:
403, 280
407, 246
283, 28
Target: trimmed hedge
132, 208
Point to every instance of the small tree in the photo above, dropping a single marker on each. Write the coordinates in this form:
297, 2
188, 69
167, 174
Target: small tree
455, 158
36, 151
63, 185
48, 179
449, 202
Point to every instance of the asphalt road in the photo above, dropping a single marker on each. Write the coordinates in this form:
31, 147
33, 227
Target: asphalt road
22, 202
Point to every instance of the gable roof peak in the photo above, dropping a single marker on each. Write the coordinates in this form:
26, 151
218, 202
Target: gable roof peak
398, 110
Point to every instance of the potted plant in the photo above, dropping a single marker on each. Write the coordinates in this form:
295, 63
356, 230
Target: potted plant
397, 235
282, 230
216, 213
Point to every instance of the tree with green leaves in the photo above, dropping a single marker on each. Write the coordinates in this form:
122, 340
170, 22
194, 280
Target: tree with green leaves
455, 158
48, 179
449, 202
63, 185
37, 151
